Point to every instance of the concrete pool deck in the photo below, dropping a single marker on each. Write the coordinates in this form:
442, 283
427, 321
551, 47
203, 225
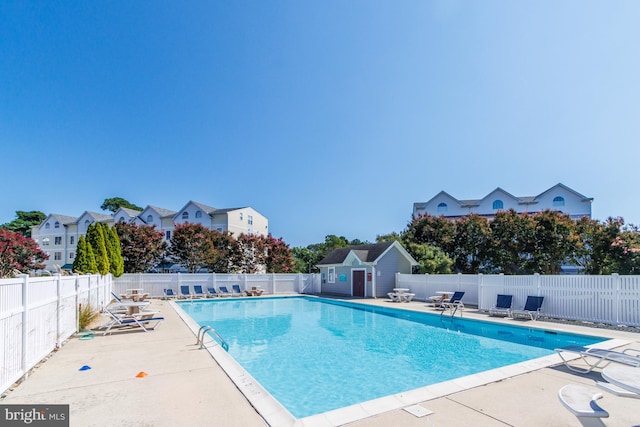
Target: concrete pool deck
186, 386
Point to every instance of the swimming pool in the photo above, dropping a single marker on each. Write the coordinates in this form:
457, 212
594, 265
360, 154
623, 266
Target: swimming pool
315, 355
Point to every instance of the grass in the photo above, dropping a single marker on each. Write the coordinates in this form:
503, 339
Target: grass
86, 316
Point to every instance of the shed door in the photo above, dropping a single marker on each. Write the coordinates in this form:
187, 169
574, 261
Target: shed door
358, 283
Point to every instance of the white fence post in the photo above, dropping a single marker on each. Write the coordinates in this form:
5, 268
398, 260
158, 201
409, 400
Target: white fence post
25, 318
616, 285
58, 309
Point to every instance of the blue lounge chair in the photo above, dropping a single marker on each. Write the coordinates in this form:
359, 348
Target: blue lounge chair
169, 293
224, 292
236, 291
184, 292
211, 291
531, 309
502, 307
198, 292
453, 304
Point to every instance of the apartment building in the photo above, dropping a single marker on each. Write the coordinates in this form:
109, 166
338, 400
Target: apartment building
559, 198
58, 234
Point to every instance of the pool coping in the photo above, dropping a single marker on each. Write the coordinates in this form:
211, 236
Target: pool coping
276, 415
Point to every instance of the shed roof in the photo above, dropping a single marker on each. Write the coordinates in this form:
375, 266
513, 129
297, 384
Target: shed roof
365, 253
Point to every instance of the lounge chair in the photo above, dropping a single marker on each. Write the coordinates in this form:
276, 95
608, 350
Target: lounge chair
394, 297
211, 291
224, 292
236, 291
255, 291
169, 293
502, 307
453, 304
531, 308
581, 401
602, 357
144, 320
184, 292
198, 292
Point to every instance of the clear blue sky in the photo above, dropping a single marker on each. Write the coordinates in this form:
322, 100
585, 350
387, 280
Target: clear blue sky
328, 117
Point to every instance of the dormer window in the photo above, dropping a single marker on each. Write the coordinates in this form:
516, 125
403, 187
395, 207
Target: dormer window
558, 201
149, 219
185, 215
87, 222
56, 225
198, 214
497, 204
47, 226
442, 207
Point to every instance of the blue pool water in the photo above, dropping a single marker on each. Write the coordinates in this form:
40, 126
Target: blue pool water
314, 355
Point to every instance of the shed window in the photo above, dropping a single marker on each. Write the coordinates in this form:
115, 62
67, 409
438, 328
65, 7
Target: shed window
331, 275
442, 207
558, 201
497, 204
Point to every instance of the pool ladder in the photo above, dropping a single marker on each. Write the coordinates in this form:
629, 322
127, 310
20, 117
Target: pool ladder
202, 332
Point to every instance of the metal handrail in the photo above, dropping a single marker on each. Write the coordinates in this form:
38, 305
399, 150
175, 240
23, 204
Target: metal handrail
206, 328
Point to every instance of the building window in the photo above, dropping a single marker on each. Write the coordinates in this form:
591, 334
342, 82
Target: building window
219, 229
331, 275
47, 226
121, 219
167, 235
86, 222
198, 214
185, 215
57, 256
241, 216
57, 240
442, 207
250, 219
558, 201
45, 241
56, 225
72, 240
150, 219
72, 255
497, 204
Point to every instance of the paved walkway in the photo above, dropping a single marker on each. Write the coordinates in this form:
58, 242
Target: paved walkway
186, 386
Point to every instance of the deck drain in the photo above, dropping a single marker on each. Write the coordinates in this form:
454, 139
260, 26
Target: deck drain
418, 411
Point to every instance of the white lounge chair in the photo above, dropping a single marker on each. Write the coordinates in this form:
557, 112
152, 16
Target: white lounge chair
531, 309
453, 304
141, 320
602, 357
502, 307
394, 297
581, 401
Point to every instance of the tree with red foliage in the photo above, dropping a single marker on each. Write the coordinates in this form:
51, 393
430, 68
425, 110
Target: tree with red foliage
279, 256
190, 245
142, 247
19, 254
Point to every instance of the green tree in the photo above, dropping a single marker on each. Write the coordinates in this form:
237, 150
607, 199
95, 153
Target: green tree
431, 259
114, 253
431, 231
95, 239
85, 260
190, 246
471, 243
115, 203
142, 247
513, 242
24, 221
19, 254
554, 241
305, 260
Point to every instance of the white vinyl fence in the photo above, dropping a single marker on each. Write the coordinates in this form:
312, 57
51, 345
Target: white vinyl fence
38, 313
272, 283
610, 299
